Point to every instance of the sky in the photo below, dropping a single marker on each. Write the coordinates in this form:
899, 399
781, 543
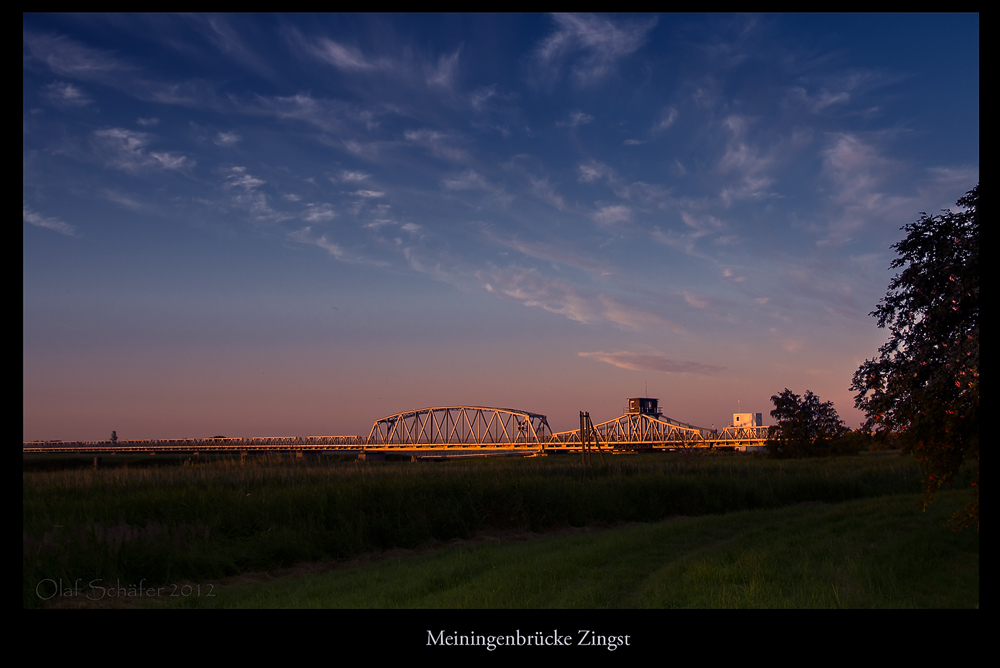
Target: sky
256, 225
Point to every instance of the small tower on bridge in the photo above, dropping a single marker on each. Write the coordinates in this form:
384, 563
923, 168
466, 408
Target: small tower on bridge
644, 406
748, 420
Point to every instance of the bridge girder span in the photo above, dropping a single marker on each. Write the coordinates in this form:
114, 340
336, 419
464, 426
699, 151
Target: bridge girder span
642, 429
461, 425
732, 433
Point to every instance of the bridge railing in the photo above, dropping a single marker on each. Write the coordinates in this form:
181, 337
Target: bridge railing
221, 443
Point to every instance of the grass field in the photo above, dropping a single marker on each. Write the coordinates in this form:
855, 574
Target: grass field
809, 533
869, 553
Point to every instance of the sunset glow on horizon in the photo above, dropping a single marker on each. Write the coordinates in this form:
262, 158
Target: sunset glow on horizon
250, 225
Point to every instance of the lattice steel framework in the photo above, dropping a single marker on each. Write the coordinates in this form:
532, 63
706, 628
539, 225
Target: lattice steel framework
454, 426
643, 429
747, 434
461, 425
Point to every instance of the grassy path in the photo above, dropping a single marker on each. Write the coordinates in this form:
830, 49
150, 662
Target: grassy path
868, 553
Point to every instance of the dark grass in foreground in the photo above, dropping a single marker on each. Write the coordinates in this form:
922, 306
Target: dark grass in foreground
165, 524
869, 553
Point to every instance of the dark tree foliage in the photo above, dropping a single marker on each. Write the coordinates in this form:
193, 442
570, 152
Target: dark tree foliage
806, 426
924, 385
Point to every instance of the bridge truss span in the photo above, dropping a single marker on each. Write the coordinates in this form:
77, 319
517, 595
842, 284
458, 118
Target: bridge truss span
640, 431
640, 428
748, 435
462, 426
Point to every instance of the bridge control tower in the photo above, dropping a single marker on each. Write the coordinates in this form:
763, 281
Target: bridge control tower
747, 420
644, 406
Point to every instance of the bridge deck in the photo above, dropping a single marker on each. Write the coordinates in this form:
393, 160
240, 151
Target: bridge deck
190, 448
449, 428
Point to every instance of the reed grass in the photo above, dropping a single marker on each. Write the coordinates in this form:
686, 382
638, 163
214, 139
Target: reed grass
867, 553
223, 517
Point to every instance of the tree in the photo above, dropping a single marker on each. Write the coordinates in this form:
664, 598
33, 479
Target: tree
924, 384
806, 426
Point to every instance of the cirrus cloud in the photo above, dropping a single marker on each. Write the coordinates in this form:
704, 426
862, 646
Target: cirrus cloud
54, 224
652, 362
593, 45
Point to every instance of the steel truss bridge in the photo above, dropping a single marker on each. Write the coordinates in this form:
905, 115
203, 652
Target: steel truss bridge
461, 425
634, 431
482, 429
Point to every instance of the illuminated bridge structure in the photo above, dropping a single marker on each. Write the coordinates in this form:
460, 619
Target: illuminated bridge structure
218, 444
644, 432
640, 430
480, 429
643, 427
743, 435
461, 425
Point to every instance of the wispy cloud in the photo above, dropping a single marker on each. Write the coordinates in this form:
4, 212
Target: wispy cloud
576, 118
564, 298
349, 176
330, 116
305, 236
667, 118
544, 191
481, 96
437, 143
818, 102
226, 139
66, 57
698, 226
732, 275
346, 58
438, 72
126, 150
837, 91
471, 180
125, 200
63, 94
744, 164
693, 300
612, 214
592, 171
238, 177
318, 213
856, 170
249, 197
221, 32
444, 72
54, 224
652, 362
592, 46
854, 166
560, 253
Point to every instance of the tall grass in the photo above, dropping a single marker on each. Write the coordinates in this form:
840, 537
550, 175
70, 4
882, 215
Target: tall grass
867, 553
225, 517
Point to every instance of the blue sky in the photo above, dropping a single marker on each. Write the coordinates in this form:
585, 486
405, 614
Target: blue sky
294, 225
